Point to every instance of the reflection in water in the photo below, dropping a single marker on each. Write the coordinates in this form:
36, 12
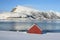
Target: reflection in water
44, 25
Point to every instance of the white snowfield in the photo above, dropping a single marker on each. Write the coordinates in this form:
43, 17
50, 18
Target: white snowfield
9, 35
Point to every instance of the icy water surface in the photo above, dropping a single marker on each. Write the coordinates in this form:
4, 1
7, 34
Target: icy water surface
44, 25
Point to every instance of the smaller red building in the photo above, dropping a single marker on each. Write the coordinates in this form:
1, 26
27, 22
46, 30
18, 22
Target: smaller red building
34, 29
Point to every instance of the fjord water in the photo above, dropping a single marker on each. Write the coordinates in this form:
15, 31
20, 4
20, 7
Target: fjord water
48, 25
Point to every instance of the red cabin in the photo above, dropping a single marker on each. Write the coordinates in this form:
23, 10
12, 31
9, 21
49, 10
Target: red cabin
34, 29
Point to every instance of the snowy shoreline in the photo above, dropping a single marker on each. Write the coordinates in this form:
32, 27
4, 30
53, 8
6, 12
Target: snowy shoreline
6, 35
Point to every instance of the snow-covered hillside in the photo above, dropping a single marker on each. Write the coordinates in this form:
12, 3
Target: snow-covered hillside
30, 13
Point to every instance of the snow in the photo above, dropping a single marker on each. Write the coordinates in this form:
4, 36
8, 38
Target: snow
30, 14
36, 13
9, 35
19, 8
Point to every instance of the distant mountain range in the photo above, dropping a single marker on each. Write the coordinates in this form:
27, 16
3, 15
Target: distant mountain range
29, 13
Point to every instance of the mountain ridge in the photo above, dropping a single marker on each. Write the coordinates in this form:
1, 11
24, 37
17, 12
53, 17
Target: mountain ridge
26, 12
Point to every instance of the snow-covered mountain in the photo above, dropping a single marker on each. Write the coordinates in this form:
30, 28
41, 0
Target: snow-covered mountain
36, 14
30, 13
